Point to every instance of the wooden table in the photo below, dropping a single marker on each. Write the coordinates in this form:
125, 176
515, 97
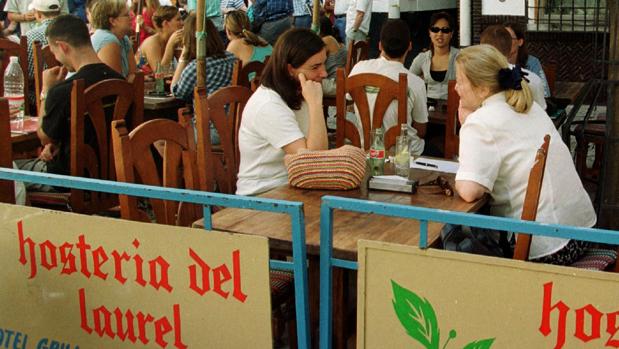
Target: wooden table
568, 89
25, 143
348, 228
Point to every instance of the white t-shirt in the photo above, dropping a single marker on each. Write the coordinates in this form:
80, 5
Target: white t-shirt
268, 124
497, 150
364, 6
21, 6
340, 7
417, 101
537, 87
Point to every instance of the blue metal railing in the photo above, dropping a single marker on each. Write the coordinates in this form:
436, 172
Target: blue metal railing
423, 215
294, 209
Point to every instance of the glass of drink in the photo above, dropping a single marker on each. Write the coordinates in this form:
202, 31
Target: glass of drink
402, 156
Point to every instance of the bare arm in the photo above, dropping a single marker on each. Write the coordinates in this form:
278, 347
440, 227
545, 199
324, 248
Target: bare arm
110, 55
358, 20
21, 17
470, 191
168, 54
317, 135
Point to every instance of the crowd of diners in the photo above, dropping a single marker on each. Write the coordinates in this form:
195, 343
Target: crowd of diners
501, 89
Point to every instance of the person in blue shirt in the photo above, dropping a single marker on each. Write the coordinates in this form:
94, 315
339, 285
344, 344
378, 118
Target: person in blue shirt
520, 54
272, 18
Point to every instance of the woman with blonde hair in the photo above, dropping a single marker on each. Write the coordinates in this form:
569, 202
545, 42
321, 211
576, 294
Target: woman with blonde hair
110, 19
501, 130
159, 49
245, 45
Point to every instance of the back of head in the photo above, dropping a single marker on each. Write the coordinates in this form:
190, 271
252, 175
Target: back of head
102, 10
294, 47
497, 36
395, 38
70, 29
238, 24
164, 13
485, 66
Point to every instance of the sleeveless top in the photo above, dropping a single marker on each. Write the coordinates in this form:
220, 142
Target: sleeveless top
260, 53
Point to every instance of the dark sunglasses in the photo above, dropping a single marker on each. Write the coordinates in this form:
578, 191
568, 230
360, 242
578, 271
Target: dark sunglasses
444, 30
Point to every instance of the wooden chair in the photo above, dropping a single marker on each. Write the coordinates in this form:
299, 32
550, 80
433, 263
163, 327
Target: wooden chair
358, 51
7, 188
531, 199
42, 58
12, 49
241, 74
136, 163
593, 258
136, 115
550, 70
452, 140
224, 111
91, 156
388, 91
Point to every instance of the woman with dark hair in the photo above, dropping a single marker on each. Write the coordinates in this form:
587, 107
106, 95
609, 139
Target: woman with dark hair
501, 129
284, 115
159, 49
245, 45
219, 62
436, 65
520, 54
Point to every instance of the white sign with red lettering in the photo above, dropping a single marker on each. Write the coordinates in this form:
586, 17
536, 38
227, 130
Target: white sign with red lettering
72, 281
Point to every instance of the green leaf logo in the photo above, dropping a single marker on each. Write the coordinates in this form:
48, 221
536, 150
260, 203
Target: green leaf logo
418, 318
416, 315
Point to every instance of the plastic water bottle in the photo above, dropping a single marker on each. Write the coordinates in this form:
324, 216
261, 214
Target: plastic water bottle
377, 152
14, 88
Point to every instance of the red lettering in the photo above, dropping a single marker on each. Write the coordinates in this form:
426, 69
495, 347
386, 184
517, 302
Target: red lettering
139, 277
236, 270
22, 252
545, 328
193, 274
162, 327
83, 247
129, 333
142, 321
48, 250
596, 318
99, 257
83, 315
611, 329
178, 340
67, 259
162, 280
221, 274
103, 322
118, 268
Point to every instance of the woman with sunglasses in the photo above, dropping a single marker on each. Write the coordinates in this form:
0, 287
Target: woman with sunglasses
436, 66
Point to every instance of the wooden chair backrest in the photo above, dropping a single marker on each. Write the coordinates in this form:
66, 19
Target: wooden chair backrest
531, 199
94, 158
240, 74
12, 49
550, 70
136, 163
136, 116
357, 51
42, 58
224, 111
388, 91
452, 140
7, 188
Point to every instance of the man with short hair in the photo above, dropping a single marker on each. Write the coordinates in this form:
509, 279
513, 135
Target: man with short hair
394, 44
497, 36
69, 41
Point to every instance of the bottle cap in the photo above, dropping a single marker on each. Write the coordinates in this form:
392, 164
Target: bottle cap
14, 59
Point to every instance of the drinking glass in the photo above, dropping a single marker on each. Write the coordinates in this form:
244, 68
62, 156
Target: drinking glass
402, 156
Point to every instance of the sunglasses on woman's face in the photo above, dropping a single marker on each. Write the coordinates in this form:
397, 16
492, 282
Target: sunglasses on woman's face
444, 30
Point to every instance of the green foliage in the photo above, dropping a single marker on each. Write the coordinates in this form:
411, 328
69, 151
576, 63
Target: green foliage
481, 344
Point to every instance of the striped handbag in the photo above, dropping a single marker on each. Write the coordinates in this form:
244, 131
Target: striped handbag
336, 169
